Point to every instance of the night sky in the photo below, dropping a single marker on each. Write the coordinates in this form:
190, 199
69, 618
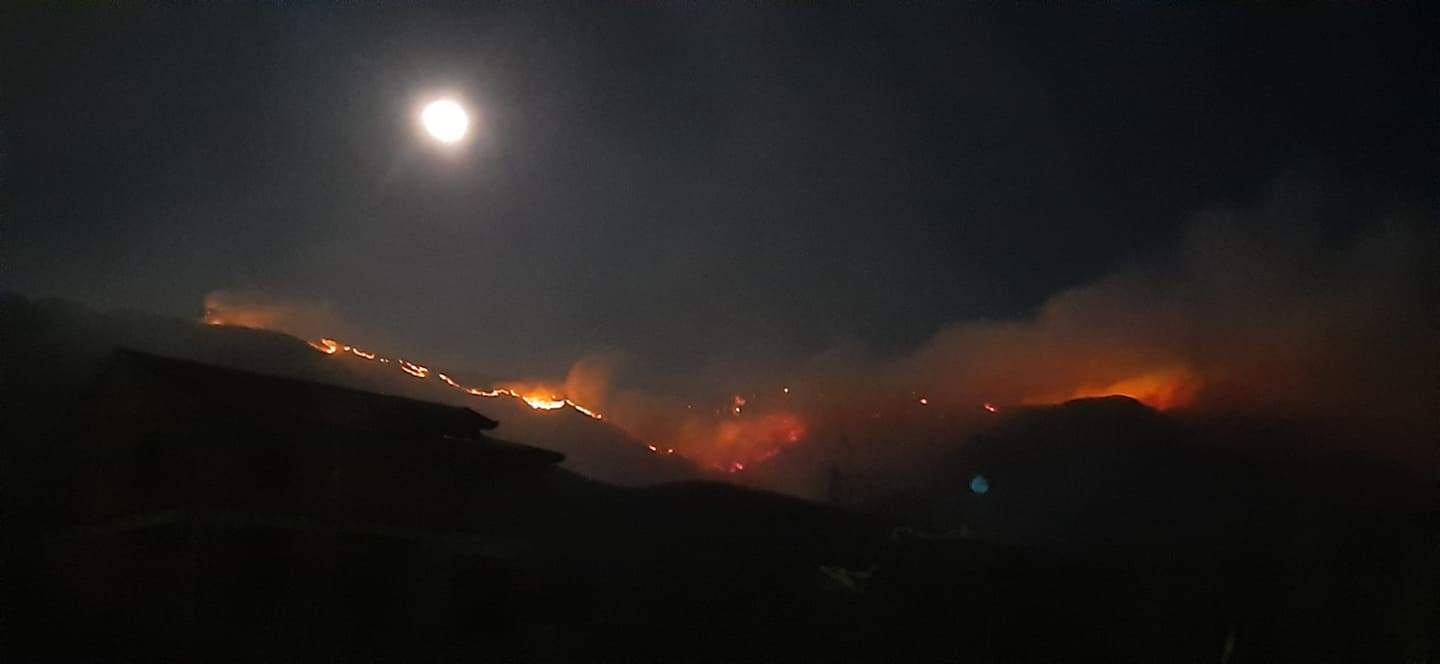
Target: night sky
687, 185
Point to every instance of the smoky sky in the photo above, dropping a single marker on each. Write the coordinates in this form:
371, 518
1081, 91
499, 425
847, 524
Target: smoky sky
683, 185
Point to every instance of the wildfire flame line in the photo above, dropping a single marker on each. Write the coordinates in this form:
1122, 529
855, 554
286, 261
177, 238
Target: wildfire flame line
536, 400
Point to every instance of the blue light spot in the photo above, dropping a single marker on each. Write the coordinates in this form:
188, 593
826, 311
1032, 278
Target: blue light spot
979, 484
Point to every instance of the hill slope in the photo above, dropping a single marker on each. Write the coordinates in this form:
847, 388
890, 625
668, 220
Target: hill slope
54, 349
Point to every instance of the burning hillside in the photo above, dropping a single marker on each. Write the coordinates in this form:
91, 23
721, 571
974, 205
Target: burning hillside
745, 432
729, 443
1284, 329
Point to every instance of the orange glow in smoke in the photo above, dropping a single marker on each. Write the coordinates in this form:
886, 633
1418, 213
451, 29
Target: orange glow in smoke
1162, 389
738, 442
258, 319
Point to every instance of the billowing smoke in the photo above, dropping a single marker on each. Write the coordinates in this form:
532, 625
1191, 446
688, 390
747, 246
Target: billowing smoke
1251, 315
1254, 315
589, 378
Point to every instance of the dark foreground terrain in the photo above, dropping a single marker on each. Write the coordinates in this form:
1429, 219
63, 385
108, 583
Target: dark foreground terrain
157, 510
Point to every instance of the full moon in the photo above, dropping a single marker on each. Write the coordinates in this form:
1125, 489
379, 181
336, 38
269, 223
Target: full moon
445, 120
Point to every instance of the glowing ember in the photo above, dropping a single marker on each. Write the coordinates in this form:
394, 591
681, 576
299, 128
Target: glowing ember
990, 408
924, 401
584, 410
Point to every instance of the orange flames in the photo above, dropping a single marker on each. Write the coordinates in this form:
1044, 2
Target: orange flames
740, 442
325, 346
536, 398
